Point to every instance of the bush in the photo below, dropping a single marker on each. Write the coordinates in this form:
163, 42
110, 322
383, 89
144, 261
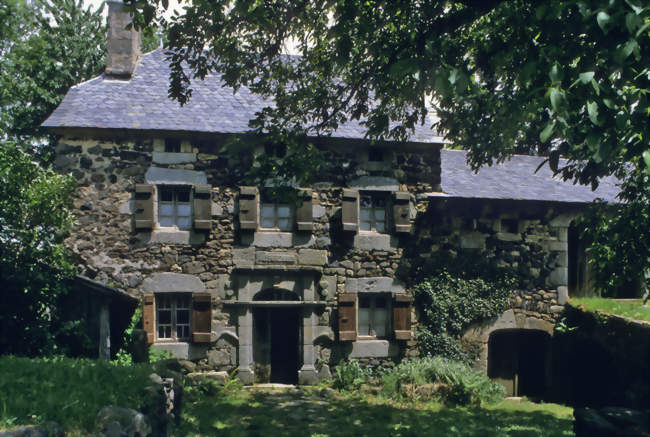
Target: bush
451, 382
448, 304
349, 375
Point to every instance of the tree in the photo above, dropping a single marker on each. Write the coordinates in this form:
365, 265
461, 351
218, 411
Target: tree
45, 47
567, 78
35, 216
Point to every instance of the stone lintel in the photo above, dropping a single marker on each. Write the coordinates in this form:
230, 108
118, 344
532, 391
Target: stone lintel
174, 176
172, 283
173, 158
264, 257
312, 257
380, 284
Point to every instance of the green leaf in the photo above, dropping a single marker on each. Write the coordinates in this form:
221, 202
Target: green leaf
646, 158
637, 9
586, 77
555, 74
546, 133
603, 20
557, 97
592, 110
609, 103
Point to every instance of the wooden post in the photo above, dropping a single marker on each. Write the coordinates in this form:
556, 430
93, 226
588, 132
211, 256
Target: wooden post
104, 331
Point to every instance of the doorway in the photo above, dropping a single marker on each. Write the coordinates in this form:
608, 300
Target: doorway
519, 359
276, 343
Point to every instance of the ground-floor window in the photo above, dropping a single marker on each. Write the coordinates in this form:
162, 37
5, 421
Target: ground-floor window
173, 316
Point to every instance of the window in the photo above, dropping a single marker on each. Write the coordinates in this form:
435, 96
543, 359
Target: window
172, 145
374, 315
173, 316
372, 212
276, 216
174, 207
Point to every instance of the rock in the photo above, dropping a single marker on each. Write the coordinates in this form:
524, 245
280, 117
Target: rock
131, 422
187, 366
218, 377
218, 358
47, 429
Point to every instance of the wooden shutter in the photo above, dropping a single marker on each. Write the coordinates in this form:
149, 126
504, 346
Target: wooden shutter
402, 316
143, 206
248, 201
402, 211
350, 212
304, 213
347, 317
203, 207
201, 317
148, 314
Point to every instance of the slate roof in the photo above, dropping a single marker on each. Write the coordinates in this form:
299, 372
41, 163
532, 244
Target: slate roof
142, 103
515, 179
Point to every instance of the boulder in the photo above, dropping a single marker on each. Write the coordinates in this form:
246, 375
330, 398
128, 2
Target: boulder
117, 421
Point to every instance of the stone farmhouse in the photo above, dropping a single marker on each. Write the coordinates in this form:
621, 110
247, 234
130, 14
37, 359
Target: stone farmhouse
233, 280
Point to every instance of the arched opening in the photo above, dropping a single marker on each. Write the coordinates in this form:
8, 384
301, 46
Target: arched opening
519, 359
276, 337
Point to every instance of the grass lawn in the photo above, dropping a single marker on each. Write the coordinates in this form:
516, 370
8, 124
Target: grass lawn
320, 412
67, 391
631, 308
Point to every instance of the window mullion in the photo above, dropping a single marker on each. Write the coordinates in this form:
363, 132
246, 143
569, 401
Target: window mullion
173, 328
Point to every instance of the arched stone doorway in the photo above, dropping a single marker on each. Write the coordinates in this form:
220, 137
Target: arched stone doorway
276, 337
520, 360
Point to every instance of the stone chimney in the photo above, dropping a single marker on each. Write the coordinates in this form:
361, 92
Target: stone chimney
123, 46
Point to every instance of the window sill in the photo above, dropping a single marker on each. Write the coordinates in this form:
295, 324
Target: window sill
181, 350
369, 240
370, 347
176, 236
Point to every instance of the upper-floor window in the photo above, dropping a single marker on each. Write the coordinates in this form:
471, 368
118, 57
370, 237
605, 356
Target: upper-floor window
372, 212
276, 216
173, 316
175, 207
374, 315
172, 145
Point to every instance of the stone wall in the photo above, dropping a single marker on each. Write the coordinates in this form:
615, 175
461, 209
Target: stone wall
229, 263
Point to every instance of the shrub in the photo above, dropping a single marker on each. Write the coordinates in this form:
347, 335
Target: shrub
448, 304
349, 375
452, 382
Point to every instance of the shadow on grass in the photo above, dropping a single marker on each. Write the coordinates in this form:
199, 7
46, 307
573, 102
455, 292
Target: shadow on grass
295, 412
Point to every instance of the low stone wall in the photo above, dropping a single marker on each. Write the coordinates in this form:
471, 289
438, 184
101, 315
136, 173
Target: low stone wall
601, 360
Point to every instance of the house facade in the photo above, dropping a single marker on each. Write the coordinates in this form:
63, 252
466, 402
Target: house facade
232, 279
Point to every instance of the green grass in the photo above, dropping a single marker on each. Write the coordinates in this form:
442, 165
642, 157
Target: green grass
319, 412
68, 391
628, 308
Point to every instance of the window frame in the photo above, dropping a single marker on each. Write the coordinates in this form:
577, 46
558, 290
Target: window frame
175, 189
276, 227
372, 314
173, 324
374, 195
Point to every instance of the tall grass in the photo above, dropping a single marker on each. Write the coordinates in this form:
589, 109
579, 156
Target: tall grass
68, 391
451, 382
